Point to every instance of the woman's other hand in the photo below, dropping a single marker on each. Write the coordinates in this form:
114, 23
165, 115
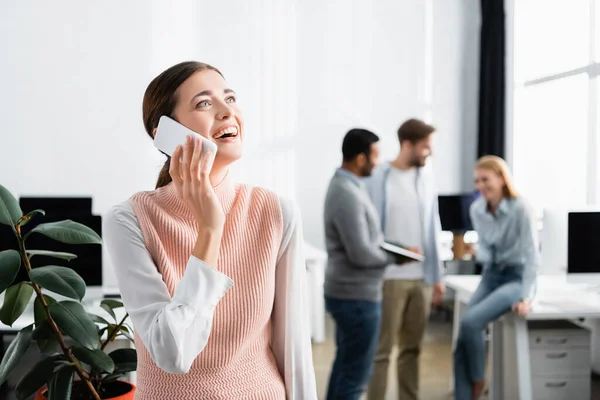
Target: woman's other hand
522, 308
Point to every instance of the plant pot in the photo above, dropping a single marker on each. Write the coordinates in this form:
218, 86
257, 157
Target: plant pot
117, 390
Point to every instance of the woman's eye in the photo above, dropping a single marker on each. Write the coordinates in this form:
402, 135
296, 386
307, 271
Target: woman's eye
230, 99
203, 103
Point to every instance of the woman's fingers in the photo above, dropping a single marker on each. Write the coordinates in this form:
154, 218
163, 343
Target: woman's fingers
196, 159
188, 151
175, 167
206, 164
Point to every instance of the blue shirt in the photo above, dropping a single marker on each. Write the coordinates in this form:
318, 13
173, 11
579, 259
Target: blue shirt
508, 238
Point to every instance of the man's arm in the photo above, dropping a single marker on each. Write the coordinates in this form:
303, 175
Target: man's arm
351, 223
438, 284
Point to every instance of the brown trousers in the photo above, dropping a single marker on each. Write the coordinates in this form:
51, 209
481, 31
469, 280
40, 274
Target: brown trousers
405, 311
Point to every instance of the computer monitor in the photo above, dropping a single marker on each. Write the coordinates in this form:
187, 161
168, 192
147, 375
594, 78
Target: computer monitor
454, 211
583, 251
88, 263
57, 205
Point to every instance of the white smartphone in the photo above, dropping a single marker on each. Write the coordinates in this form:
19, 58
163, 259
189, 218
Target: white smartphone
170, 134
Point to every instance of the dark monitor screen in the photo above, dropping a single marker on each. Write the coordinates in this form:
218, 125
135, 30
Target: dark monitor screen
454, 211
58, 205
88, 263
583, 242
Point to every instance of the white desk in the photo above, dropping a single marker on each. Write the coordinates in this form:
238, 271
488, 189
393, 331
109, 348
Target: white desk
556, 299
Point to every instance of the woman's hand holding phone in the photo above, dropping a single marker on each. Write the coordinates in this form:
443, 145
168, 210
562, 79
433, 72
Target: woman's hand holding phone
190, 173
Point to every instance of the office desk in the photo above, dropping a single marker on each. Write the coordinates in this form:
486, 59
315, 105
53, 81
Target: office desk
556, 299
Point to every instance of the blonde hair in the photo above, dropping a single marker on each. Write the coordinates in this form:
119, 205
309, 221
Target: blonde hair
500, 167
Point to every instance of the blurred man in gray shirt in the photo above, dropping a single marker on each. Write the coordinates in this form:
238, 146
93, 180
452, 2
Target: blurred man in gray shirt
355, 268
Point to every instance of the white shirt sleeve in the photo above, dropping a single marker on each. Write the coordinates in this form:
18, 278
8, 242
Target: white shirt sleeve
291, 327
174, 330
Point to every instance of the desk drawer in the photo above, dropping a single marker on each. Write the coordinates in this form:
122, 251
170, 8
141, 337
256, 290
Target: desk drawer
560, 362
557, 335
561, 389
557, 340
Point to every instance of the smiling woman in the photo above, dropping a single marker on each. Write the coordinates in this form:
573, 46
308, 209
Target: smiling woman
211, 272
209, 112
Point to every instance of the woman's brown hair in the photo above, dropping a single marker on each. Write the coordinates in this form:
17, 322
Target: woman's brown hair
498, 165
160, 99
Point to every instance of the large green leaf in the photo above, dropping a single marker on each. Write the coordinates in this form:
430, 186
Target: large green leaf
112, 303
68, 231
37, 377
109, 305
44, 343
24, 220
55, 254
112, 377
61, 384
15, 301
38, 310
125, 360
10, 212
15, 351
96, 358
109, 311
10, 262
42, 331
48, 346
98, 319
72, 319
127, 335
61, 280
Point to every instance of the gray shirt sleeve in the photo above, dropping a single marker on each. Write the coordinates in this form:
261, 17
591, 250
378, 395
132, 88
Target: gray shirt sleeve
351, 223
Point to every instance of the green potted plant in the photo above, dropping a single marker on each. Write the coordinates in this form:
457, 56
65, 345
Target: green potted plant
73, 341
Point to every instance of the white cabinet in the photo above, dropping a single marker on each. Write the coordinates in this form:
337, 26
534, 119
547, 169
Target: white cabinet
560, 361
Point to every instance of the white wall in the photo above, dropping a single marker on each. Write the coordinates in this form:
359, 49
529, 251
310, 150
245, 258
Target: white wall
455, 91
367, 64
73, 75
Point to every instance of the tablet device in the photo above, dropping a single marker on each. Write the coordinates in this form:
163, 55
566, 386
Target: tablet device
401, 251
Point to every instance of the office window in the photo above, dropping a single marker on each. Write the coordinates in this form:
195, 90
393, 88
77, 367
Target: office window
550, 37
551, 130
596, 31
556, 108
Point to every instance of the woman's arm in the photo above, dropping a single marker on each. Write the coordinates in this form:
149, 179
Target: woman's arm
529, 245
291, 328
174, 330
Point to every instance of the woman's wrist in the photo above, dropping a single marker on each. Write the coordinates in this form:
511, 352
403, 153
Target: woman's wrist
208, 245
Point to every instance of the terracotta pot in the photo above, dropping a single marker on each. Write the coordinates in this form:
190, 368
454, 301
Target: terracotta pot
42, 393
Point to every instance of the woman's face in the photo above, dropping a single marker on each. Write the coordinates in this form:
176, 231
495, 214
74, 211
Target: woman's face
206, 105
489, 184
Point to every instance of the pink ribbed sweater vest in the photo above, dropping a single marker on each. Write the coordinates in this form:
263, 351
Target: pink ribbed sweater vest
237, 362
